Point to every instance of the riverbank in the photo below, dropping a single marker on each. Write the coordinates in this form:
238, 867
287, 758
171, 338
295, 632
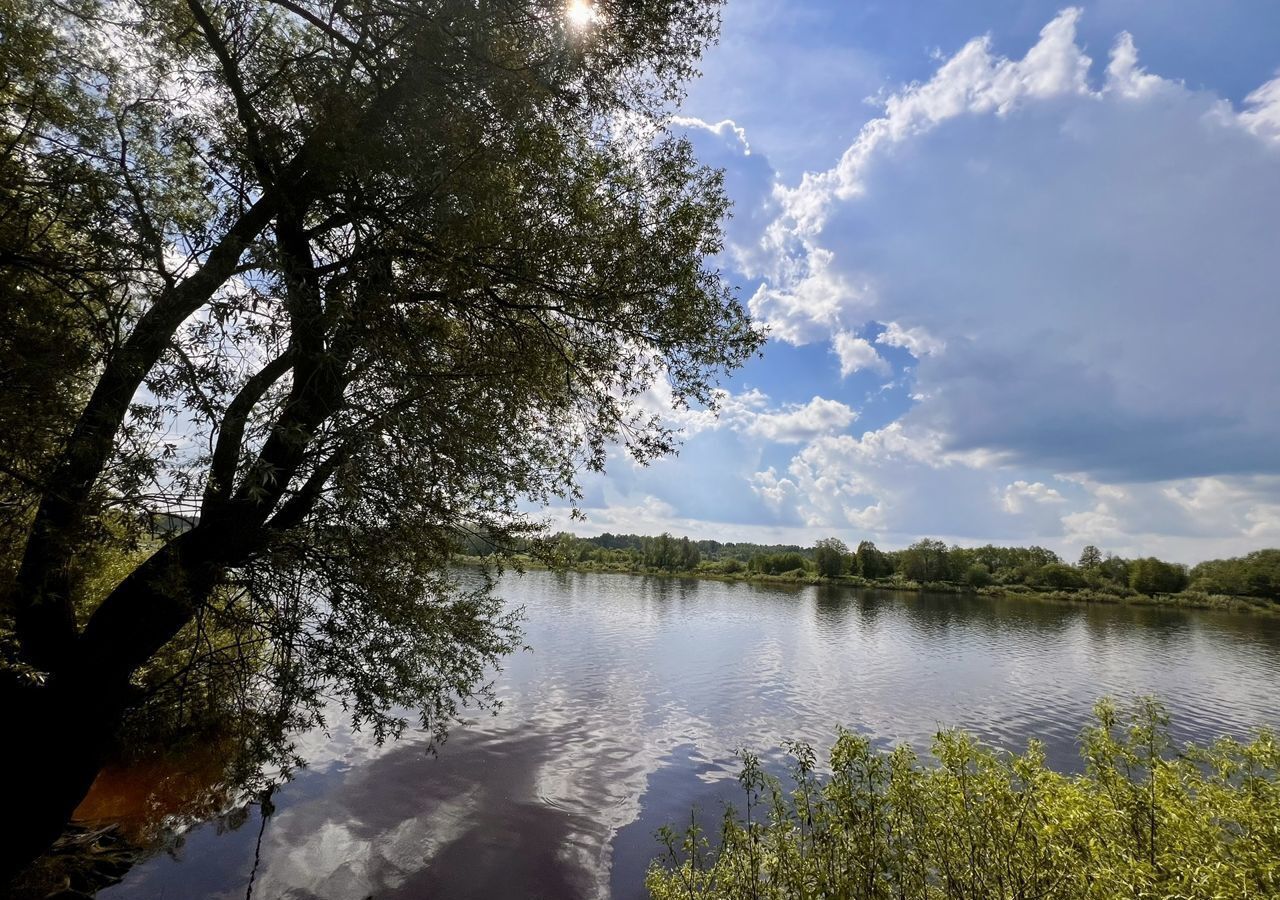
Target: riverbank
1182, 600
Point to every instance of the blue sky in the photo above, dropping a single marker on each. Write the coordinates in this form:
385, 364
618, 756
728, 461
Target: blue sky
1019, 265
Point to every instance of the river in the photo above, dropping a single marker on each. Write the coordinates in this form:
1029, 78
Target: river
626, 711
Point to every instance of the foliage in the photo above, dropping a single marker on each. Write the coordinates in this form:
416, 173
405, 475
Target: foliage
1096, 578
872, 563
977, 576
1154, 576
830, 556
391, 273
1254, 575
779, 563
1057, 576
925, 560
1140, 822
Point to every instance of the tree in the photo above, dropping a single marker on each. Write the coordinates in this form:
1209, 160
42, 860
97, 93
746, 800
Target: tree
1254, 575
925, 560
829, 557
390, 270
778, 563
1090, 558
1115, 569
1057, 576
1155, 576
871, 562
690, 556
977, 576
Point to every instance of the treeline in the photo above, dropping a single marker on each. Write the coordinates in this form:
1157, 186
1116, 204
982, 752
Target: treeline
926, 562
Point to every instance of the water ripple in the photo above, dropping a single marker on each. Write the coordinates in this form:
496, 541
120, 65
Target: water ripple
638, 691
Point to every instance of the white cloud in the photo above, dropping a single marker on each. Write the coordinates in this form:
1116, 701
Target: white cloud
777, 492
814, 302
1262, 113
1017, 495
916, 341
1186, 519
723, 128
796, 423
750, 413
972, 81
1125, 76
1082, 262
1098, 262
880, 481
856, 354
893, 486
749, 180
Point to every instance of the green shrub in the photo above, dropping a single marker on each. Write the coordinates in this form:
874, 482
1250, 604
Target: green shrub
1140, 822
977, 576
1058, 576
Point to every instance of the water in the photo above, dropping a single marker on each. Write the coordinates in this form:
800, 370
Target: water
626, 713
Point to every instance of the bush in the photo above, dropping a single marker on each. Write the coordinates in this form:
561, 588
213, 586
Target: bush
778, 563
977, 576
1139, 823
1154, 576
1058, 576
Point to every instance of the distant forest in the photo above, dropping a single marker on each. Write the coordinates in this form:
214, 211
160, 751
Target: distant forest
927, 561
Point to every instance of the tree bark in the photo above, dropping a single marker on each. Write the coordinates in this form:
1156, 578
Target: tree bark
62, 732
60, 736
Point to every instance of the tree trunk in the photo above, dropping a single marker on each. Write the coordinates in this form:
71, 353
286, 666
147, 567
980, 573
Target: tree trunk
61, 732
59, 736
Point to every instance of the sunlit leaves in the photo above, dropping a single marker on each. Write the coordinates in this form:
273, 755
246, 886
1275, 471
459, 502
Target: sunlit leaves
1141, 822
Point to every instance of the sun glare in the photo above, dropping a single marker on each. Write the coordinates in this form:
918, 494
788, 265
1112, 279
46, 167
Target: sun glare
581, 13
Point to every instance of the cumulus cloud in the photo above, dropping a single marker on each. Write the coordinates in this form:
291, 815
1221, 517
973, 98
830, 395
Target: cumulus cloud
807, 297
1080, 258
1125, 76
778, 492
895, 484
1262, 110
796, 423
889, 480
749, 180
1096, 255
856, 354
751, 412
1016, 496
723, 129
916, 341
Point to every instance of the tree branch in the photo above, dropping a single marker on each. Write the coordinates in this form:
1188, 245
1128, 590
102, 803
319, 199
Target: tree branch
45, 615
244, 109
295, 509
324, 26
226, 452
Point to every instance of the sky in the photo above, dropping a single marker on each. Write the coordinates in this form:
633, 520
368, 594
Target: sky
1019, 265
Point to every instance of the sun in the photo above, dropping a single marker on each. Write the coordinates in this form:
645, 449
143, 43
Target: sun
581, 13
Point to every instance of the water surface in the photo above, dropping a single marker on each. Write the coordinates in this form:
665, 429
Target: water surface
637, 690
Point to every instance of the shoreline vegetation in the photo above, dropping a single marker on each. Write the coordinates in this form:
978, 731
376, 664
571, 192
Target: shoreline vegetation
1144, 819
1248, 584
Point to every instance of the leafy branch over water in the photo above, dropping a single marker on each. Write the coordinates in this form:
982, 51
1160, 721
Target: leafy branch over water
1142, 821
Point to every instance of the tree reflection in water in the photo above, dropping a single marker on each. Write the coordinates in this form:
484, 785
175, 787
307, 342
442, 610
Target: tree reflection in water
146, 800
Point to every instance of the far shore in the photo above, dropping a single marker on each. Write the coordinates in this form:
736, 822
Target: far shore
1181, 600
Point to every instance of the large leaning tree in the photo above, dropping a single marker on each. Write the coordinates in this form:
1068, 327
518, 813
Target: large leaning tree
293, 295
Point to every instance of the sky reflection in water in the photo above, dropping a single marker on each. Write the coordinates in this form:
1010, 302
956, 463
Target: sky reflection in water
627, 712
